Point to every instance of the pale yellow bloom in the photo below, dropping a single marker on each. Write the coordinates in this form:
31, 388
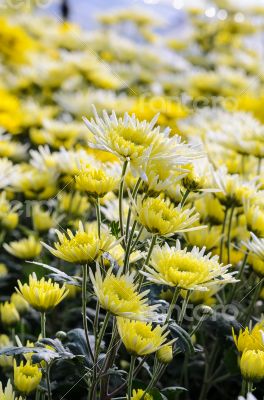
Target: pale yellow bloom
28, 248
160, 216
42, 294
82, 247
141, 338
118, 294
192, 270
26, 377
9, 314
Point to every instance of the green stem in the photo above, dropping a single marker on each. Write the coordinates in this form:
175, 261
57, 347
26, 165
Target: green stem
184, 198
137, 238
43, 324
253, 301
101, 334
223, 235
134, 193
98, 216
229, 233
244, 388
184, 307
259, 166
120, 199
128, 247
146, 263
235, 286
196, 328
47, 369
84, 305
172, 304
130, 376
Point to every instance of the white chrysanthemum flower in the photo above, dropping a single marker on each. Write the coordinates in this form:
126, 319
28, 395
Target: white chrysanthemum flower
138, 141
8, 173
234, 190
255, 245
190, 270
43, 159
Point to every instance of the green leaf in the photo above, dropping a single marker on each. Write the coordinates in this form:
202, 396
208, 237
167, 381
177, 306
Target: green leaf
61, 274
114, 227
184, 340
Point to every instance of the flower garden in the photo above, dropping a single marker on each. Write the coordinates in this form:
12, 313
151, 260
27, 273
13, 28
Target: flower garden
132, 204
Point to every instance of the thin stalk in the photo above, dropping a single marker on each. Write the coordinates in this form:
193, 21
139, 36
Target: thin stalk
101, 334
119, 388
223, 235
84, 305
134, 193
130, 376
172, 304
146, 263
253, 301
137, 238
47, 367
240, 273
184, 307
229, 233
128, 247
120, 199
259, 166
43, 324
98, 216
244, 388
196, 328
184, 197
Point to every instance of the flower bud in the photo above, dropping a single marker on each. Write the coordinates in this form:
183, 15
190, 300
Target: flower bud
165, 354
61, 335
252, 365
9, 314
26, 377
20, 303
206, 310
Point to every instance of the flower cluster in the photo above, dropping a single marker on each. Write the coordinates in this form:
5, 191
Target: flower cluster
132, 225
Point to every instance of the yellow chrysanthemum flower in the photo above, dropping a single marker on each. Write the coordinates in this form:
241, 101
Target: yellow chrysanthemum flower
252, 365
8, 214
210, 210
82, 247
250, 339
8, 393
118, 294
73, 203
43, 295
20, 303
26, 377
257, 264
160, 216
36, 184
234, 191
255, 220
9, 314
95, 182
3, 270
191, 270
138, 393
209, 237
141, 338
25, 249
165, 354
5, 361
42, 220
